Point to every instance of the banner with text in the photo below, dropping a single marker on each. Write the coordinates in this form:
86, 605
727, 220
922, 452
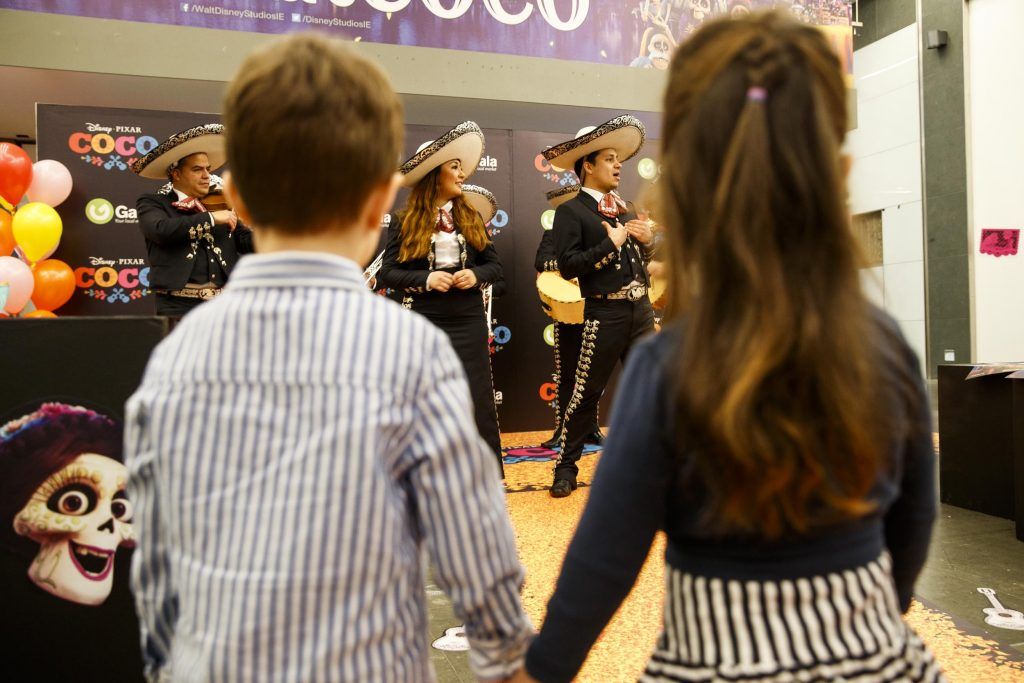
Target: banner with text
639, 33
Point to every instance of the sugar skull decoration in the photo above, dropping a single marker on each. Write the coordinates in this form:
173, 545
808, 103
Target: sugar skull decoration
64, 489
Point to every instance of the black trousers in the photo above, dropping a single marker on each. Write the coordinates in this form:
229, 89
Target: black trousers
468, 335
174, 306
568, 341
610, 329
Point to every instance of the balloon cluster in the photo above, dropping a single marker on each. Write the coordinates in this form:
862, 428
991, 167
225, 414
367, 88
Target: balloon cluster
30, 233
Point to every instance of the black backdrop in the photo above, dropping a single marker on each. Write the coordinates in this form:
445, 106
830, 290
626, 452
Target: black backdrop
102, 243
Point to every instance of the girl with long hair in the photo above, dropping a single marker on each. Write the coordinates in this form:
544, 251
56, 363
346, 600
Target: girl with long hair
438, 257
777, 429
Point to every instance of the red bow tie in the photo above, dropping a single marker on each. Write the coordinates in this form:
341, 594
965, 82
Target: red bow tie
189, 205
444, 221
612, 206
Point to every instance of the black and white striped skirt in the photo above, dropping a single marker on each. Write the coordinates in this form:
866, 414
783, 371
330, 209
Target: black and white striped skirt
844, 626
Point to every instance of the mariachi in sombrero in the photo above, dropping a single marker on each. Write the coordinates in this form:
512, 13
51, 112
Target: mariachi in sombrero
439, 258
625, 134
193, 239
464, 142
207, 139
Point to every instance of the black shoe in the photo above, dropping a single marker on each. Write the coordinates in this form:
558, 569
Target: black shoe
562, 488
597, 438
555, 440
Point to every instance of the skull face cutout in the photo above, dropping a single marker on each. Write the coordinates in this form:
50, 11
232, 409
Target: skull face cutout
80, 516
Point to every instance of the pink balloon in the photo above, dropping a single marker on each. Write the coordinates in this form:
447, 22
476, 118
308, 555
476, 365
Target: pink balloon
18, 277
51, 182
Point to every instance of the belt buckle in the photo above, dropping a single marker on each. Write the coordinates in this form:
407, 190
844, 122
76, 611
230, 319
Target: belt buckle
636, 292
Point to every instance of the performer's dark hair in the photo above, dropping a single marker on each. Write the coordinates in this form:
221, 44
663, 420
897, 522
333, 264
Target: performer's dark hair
312, 128
589, 158
785, 399
419, 218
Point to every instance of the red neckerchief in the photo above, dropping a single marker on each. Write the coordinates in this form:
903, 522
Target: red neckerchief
189, 205
444, 221
611, 205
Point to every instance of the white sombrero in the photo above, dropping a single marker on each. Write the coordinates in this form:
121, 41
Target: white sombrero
482, 200
208, 139
625, 134
464, 142
562, 194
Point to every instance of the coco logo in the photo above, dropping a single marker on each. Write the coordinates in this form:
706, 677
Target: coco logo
499, 221
559, 176
110, 147
113, 280
100, 212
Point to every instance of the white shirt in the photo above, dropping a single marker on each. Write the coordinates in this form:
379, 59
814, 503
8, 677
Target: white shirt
290, 479
447, 253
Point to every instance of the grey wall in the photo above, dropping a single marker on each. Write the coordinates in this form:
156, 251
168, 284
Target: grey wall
882, 18
945, 184
947, 274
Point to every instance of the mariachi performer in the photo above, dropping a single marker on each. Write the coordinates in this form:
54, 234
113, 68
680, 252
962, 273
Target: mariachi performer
439, 257
568, 336
599, 240
192, 239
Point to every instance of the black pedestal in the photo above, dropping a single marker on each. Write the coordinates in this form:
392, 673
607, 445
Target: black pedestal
981, 443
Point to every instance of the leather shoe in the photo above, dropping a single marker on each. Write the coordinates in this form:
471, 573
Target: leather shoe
562, 488
597, 438
555, 440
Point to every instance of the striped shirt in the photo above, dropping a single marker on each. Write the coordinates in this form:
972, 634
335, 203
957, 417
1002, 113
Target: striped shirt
295, 444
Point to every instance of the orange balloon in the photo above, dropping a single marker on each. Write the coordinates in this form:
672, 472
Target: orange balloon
6, 235
54, 284
40, 313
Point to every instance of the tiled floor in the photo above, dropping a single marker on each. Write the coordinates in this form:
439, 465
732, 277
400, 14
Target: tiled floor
969, 550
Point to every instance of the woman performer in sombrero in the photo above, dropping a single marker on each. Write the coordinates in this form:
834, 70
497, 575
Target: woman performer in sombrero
439, 257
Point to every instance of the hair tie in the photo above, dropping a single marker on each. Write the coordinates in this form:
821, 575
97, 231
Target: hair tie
756, 93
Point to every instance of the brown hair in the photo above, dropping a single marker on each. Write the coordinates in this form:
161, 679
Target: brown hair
311, 129
420, 216
778, 381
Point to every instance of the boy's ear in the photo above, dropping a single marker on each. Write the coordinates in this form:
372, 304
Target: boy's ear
379, 202
235, 199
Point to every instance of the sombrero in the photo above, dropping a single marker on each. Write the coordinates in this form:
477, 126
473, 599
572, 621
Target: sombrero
464, 142
562, 194
208, 139
625, 134
482, 200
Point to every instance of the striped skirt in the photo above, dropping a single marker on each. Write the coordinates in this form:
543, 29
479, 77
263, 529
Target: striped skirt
844, 626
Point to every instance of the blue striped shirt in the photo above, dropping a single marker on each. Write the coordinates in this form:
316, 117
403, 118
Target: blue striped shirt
295, 444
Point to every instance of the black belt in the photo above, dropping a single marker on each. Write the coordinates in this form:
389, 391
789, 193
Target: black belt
634, 293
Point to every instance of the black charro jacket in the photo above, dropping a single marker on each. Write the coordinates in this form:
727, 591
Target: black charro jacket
169, 234
586, 252
409, 279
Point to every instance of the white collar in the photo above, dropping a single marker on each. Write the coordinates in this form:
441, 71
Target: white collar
598, 196
181, 195
448, 207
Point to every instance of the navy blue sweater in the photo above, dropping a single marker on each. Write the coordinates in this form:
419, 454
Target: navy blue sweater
637, 492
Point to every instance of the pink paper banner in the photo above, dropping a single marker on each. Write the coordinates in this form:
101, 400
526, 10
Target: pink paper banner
1001, 242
